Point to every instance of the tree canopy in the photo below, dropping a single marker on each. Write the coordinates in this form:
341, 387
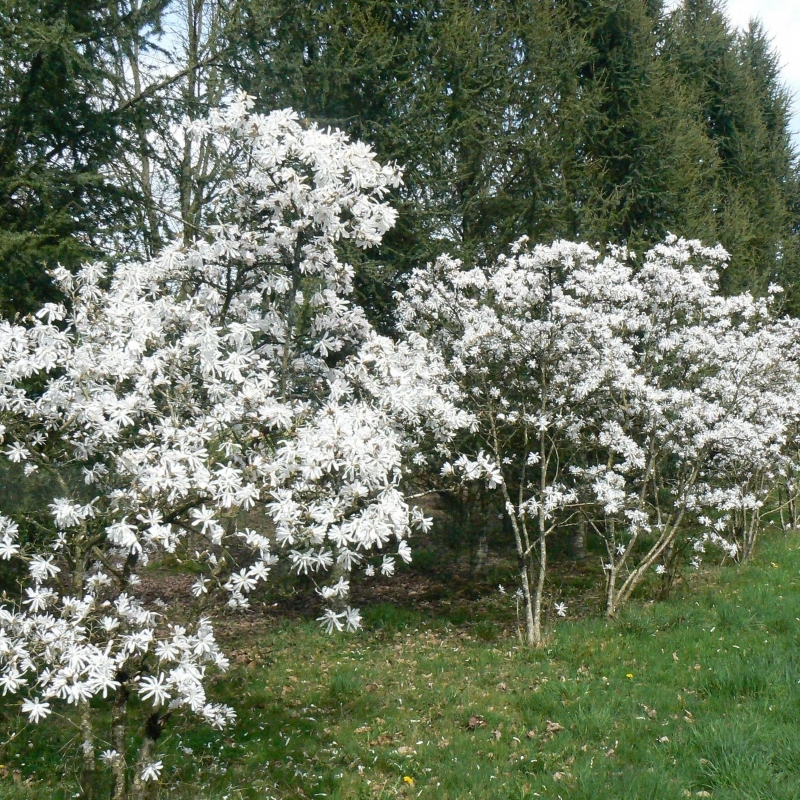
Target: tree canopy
609, 121
58, 136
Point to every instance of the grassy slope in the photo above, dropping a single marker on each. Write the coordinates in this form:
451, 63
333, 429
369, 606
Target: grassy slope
699, 694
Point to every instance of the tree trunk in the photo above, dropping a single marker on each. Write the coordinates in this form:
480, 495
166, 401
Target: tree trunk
611, 592
530, 628
577, 541
141, 789
522, 561
538, 638
90, 789
480, 561
611, 571
337, 571
751, 530
119, 714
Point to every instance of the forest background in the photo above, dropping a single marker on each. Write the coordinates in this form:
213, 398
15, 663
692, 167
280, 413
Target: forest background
601, 122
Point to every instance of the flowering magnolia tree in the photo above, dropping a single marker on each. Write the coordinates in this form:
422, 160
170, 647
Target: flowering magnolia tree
639, 400
704, 405
743, 479
531, 341
225, 376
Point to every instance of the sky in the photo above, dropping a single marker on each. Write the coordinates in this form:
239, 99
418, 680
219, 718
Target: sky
781, 21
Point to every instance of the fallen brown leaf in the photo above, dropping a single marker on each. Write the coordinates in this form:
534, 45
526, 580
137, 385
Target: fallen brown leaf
554, 727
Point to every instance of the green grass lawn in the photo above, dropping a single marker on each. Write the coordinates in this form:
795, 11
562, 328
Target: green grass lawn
698, 695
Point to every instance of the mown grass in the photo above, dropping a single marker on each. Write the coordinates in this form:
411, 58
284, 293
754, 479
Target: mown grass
698, 695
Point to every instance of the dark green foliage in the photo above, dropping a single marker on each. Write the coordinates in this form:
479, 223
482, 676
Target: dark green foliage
443, 88
645, 155
735, 86
58, 133
605, 121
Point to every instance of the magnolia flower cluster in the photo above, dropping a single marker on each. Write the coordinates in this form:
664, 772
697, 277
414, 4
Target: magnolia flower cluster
226, 397
79, 669
626, 393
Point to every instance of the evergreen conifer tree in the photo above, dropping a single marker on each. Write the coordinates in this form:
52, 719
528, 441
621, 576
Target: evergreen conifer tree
57, 138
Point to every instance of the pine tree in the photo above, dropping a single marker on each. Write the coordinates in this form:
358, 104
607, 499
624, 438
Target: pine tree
57, 138
647, 162
469, 97
739, 99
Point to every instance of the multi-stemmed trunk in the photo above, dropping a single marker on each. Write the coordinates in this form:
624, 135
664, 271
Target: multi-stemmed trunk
668, 526
541, 575
751, 523
532, 597
523, 560
517, 513
618, 596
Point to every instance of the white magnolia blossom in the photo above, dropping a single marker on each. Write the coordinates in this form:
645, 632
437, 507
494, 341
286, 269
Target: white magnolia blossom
633, 396
152, 771
36, 709
172, 404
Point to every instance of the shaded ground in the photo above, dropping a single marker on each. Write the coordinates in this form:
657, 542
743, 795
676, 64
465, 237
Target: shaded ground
697, 696
439, 583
